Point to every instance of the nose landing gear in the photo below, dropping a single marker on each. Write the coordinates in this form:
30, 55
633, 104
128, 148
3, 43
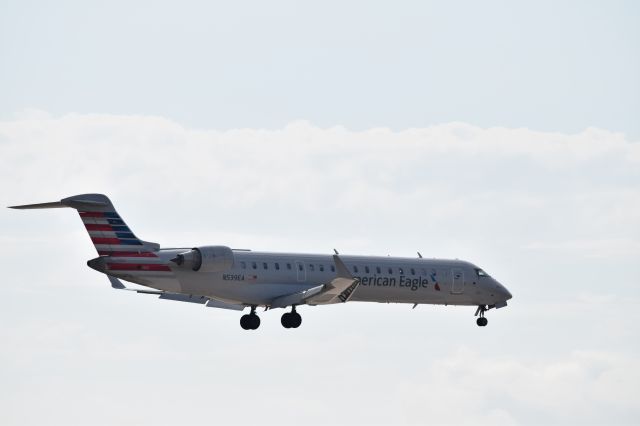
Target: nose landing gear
481, 321
250, 321
291, 319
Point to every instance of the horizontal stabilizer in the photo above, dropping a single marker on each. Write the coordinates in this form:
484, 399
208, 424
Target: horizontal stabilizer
52, 205
73, 202
108, 231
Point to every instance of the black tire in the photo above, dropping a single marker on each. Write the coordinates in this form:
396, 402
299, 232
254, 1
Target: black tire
245, 322
254, 321
285, 320
482, 322
296, 320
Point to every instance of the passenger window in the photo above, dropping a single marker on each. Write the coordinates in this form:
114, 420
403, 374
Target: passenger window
366, 269
264, 265
311, 267
253, 265
333, 268
401, 271
390, 271
299, 266
277, 266
243, 265
321, 268
378, 270
355, 269
288, 266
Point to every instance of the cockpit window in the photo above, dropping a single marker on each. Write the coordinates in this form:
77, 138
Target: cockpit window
481, 273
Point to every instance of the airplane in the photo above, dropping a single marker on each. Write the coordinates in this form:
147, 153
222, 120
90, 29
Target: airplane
221, 277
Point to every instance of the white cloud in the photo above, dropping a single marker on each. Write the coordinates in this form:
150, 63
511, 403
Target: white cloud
619, 247
554, 216
547, 188
582, 385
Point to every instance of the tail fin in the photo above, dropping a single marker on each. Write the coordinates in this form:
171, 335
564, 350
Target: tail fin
108, 232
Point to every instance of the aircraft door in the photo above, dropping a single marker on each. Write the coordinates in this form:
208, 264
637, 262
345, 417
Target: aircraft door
457, 281
301, 270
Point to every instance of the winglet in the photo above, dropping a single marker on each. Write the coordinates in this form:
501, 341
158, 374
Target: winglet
341, 268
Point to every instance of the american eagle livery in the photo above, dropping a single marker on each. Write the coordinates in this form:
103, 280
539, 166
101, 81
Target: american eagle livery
222, 277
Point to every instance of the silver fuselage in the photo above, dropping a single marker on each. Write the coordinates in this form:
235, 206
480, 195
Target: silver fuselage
256, 278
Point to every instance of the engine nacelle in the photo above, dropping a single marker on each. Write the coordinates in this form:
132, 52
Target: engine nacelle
206, 259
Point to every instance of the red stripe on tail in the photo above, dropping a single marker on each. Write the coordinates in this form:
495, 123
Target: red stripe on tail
137, 267
125, 254
94, 227
96, 240
91, 214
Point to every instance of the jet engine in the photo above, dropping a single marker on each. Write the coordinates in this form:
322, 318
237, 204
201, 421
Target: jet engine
206, 259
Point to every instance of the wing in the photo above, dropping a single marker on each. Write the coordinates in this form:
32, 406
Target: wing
339, 290
212, 303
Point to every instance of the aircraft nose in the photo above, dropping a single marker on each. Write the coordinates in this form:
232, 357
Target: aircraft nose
502, 290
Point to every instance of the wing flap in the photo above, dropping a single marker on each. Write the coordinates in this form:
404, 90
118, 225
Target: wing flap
178, 297
338, 290
341, 291
212, 303
298, 298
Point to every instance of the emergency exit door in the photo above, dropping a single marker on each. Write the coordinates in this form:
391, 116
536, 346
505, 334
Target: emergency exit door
457, 283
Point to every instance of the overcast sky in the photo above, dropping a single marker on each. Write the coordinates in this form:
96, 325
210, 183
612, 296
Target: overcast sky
500, 133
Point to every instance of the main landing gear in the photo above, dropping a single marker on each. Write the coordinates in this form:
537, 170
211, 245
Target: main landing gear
291, 319
250, 321
481, 321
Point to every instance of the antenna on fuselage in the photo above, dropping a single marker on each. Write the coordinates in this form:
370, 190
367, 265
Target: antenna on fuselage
335, 251
419, 255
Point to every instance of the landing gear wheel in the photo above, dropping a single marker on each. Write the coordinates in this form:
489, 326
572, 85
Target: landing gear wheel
285, 320
250, 321
245, 322
291, 319
296, 320
254, 321
482, 321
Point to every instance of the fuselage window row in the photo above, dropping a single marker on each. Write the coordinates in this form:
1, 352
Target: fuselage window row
321, 268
